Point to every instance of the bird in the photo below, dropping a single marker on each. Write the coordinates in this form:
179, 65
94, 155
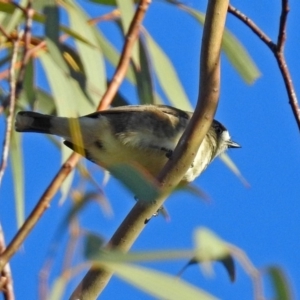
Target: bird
140, 134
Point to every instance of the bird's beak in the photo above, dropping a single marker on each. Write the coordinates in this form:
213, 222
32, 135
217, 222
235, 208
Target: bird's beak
232, 144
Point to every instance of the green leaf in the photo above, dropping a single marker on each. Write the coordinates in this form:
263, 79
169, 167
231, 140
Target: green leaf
158, 284
209, 246
239, 58
133, 257
92, 243
233, 168
142, 184
127, 12
111, 54
58, 289
143, 77
69, 98
29, 84
52, 35
280, 283
15, 18
51, 12
234, 50
167, 76
16, 158
69, 101
9, 9
91, 57
45, 102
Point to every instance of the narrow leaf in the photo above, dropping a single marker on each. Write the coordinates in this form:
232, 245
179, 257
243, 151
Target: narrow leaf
16, 17
143, 76
45, 102
133, 257
92, 244
166, 75
29, 84
234, 50
58, 289
16, 158
209, 246
158, 284
52, 35
233, 168
280, 283
91, 57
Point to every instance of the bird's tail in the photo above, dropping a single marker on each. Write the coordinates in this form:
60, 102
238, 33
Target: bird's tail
28, 121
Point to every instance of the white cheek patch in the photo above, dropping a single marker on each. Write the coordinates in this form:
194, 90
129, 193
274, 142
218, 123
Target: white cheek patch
225, 136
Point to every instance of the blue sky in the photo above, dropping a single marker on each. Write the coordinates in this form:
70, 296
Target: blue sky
263, 219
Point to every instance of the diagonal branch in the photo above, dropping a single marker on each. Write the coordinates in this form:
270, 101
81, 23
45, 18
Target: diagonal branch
96, 279
277, 50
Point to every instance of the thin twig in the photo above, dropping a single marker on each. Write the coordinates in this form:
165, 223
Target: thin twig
11, 112
68, 166
7, 287
282, 25
242, 17
277, 50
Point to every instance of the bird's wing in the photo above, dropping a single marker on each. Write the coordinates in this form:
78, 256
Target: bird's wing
147, 126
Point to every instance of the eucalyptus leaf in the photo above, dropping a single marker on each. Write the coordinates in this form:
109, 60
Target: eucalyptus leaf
91, 57
209, 246
234, 50
158, 284
233, 168
143, 75
16, 158
280, 283
58, 288
166, 75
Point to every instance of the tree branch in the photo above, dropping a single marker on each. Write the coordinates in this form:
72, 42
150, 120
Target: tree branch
277, 50
96, 279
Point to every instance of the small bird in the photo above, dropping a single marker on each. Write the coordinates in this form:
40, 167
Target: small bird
142, 134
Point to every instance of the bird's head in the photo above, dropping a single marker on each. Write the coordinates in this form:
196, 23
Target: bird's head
223, 139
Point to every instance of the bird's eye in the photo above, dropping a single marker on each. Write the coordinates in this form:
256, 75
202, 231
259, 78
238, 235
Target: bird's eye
219, 130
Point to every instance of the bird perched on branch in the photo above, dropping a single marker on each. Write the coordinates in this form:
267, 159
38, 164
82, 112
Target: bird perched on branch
142, 134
